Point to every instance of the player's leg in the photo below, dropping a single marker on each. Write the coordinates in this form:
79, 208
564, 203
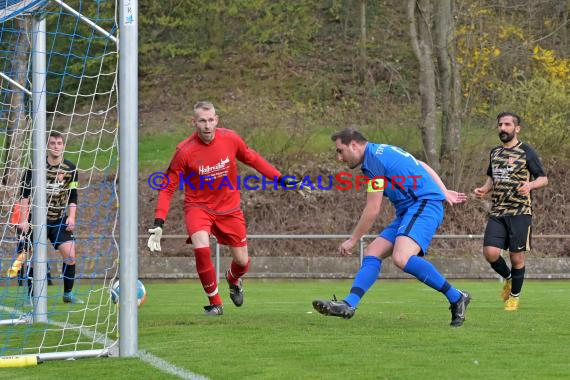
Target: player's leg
238, 268
230, 229
418, 226
206, 271
67, 250
520, 233
369, 271
494, 241
427, 273
198, 225
405, 257
24, 250
64, 242
49, 278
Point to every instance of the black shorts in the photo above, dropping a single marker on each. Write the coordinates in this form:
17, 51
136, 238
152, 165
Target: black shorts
513, 232
56, 234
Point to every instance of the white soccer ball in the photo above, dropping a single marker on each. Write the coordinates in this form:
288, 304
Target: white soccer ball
141, 292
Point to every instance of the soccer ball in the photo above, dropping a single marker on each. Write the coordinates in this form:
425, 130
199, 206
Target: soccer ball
141, 293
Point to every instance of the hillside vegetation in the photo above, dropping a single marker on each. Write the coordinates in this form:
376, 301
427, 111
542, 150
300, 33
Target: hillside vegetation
286, 74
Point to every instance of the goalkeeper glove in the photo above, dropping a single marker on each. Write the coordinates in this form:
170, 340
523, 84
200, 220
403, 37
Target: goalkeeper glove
289, 182
155, 235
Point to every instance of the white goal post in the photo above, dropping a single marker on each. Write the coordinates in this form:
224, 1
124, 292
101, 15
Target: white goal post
72, 67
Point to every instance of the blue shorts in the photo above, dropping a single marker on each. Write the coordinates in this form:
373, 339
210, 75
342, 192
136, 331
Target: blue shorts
419, 222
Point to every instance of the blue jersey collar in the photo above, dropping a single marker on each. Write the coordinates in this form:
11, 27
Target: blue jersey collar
364, 166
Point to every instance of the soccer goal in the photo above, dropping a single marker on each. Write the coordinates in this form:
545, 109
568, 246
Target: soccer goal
61, 71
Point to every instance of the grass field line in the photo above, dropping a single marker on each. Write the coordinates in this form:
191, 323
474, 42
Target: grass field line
103, 339
167, 367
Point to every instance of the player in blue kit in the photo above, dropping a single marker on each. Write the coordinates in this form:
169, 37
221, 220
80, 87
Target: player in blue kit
417, 193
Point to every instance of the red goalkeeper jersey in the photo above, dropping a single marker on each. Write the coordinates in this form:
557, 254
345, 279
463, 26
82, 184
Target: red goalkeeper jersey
208, 173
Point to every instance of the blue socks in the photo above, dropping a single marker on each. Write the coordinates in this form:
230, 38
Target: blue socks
421, 269
366, 276
424, 271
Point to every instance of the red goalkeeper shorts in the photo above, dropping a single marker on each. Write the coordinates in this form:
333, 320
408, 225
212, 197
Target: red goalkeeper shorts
229, 229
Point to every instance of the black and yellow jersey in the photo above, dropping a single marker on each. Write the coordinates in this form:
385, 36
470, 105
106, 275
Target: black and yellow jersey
509, 168
61, 187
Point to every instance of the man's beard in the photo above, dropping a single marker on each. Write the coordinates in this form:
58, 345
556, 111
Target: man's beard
506, 137
354, 166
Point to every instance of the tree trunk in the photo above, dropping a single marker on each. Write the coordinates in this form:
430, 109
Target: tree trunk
565, 11
448, 74
363, 58
419, 17
17, 115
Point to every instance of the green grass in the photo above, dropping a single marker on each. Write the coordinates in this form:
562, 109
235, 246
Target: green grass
400, 331
156, 150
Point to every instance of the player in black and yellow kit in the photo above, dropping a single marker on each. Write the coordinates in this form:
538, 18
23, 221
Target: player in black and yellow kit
61, 189
514, 171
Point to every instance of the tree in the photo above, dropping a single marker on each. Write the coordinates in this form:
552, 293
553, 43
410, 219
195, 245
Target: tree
449, 84
363, 66
420, 19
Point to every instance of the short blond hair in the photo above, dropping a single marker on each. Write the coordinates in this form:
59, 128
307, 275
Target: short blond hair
204, 105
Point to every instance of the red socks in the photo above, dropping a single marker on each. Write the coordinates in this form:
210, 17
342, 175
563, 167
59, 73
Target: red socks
236, 272
207, 274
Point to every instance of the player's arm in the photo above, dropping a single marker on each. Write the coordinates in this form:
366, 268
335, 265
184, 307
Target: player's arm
72, 202
367, 218
536, 171
253, 159
452, 197
526, 187
164, 198
480, 192
539, 182
23, 222
25, 193
172, 179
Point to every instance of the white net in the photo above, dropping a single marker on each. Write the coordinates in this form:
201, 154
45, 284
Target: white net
81, 98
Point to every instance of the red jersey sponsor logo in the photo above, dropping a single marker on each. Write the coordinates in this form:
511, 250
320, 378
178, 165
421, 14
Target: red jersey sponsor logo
204, 170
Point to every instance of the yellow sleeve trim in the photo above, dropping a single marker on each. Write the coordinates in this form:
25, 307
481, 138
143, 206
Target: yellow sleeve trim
73, 185
375, 185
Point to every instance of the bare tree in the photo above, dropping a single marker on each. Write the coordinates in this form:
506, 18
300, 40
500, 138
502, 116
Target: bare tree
449, 83
363, 64
565, 21
420, 19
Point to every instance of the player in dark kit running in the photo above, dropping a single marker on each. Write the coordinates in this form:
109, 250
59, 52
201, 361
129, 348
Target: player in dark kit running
514, 171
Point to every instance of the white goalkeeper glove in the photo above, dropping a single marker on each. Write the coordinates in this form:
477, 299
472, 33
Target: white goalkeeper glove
155, 235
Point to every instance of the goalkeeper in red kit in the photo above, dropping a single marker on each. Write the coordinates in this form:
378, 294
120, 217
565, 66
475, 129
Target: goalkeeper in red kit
205, 163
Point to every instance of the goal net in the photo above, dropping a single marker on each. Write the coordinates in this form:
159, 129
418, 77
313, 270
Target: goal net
81, 102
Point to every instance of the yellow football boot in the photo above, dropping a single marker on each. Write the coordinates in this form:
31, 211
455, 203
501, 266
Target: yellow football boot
16, 265
507, 286
512, 304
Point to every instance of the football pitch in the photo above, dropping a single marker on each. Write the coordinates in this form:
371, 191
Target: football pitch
400, 331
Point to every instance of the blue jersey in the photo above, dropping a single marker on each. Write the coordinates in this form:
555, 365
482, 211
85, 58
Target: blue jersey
405, 179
